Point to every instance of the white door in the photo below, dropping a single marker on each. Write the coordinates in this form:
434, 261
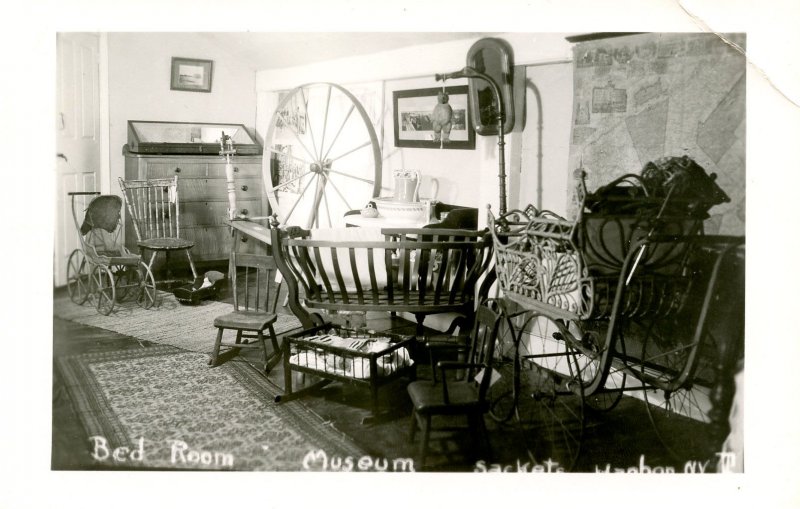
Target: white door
77, 137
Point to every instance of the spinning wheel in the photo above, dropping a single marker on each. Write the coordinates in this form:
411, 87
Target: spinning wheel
324, 156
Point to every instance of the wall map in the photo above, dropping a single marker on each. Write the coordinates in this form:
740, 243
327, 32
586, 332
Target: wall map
641, 97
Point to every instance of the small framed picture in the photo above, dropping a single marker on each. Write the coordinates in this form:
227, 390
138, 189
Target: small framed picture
191, 74
416, 125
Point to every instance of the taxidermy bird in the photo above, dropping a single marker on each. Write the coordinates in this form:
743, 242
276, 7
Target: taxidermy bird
370, 210
442, 118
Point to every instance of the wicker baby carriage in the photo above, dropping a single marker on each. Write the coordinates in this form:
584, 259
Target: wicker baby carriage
102, 271
622, 291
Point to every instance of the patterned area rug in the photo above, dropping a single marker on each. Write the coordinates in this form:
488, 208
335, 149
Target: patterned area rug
171, 323
162, 408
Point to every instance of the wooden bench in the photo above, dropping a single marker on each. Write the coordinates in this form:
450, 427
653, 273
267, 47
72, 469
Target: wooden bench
418, 271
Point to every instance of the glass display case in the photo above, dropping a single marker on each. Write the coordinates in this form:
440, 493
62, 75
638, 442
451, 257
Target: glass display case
187, 138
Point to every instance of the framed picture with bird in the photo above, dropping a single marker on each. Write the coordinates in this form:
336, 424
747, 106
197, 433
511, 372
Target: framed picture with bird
433, 118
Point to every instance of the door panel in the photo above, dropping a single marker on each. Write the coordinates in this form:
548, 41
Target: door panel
77, 137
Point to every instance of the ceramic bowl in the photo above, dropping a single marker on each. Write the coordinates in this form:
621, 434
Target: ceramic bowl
400, 211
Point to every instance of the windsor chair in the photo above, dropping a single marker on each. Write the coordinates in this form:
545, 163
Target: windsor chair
155, 214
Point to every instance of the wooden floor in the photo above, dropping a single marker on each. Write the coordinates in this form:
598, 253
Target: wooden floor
620, 438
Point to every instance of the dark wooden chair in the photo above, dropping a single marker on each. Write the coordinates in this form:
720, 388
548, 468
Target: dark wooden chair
253, 307
155, 214
448, 395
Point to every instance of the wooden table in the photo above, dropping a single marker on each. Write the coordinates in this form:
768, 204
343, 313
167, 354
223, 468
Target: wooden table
249, 229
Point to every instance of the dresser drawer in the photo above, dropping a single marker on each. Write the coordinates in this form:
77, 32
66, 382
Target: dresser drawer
163, 169
246, 188
214, 212
239, 169
196, 189
250, 245
215, 242
203, 195
210, 242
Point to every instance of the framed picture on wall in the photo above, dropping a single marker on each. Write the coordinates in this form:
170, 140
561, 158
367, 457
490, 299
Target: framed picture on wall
428, 118
191, 74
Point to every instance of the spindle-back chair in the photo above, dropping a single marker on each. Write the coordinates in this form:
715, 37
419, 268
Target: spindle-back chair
254, 305
155, 214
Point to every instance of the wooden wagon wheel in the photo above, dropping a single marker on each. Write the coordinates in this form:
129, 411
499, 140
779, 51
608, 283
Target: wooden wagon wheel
325, 158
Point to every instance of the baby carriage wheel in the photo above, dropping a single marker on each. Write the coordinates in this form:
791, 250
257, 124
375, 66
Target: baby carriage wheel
592, 338
126, 279
554, 374
77, 277
103, 289
147, 287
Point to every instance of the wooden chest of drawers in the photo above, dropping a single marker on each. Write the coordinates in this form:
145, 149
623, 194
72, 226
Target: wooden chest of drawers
203, 198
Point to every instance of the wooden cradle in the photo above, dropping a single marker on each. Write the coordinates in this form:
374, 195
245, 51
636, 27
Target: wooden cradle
418, 271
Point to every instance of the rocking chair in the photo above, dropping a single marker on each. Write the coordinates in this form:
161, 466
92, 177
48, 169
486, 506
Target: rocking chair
253, 309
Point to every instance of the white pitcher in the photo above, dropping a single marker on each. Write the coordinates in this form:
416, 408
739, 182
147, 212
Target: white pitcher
406, 185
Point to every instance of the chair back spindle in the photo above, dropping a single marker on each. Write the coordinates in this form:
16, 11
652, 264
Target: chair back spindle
251, 278
484, 338
153, 207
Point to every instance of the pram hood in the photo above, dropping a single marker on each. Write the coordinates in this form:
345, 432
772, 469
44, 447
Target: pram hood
103, 212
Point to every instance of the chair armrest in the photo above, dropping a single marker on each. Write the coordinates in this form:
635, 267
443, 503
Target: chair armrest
448, 365
444, 344
445, 340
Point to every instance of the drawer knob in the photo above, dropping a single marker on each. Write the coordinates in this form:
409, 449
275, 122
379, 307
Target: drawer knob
177, 170
244, 212
244, 239
236, 169
244, 188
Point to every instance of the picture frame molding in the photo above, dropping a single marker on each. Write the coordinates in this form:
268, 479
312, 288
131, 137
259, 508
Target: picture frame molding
208, 74
399, 95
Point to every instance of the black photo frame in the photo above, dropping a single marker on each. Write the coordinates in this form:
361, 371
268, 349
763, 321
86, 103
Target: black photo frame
191, 74
413, 112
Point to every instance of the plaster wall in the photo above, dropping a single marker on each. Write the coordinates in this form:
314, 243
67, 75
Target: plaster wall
466, 177
139, 87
